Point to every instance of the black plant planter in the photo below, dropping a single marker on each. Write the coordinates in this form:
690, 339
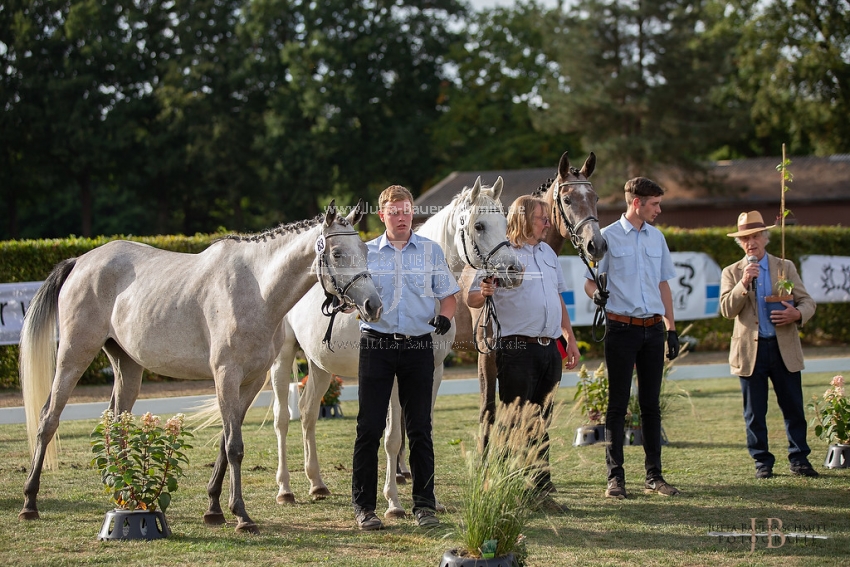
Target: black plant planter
452, 559
134, 524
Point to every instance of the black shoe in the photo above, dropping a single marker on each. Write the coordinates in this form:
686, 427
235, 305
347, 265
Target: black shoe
426, 518
659, 486
804, 469
367, 520
616, 488
764, 472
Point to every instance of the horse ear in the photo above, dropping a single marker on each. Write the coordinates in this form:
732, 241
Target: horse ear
497, 188
357, 214
589, 165
564, 166
476, 189
330, 213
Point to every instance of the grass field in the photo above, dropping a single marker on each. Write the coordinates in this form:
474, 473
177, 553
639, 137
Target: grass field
706, 458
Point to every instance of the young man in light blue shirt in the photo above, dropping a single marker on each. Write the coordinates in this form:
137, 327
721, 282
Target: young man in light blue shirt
639, 305
411, 274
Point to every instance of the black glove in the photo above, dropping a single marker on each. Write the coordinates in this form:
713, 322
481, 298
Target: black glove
600, 297
672, 345
441, 323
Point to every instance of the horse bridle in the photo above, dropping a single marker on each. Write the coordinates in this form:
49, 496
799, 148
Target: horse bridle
599, 318
338, 300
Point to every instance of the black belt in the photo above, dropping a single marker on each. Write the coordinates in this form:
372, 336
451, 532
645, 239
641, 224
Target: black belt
767, 339
638, 321
544, 341
394, 336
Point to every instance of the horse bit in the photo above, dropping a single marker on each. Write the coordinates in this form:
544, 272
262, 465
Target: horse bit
339, 300
488, 312
599, 318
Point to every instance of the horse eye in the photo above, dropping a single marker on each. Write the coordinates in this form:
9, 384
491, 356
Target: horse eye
479, 226
336, 254
566, 200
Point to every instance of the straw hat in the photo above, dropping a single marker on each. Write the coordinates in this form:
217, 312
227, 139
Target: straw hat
750, 223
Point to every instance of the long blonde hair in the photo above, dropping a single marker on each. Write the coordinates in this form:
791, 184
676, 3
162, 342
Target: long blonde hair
521, 217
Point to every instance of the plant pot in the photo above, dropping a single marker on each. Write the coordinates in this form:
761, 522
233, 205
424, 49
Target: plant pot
452, 558
774, 302
838, 456
327, 412
589, 434
633, 436
134, 524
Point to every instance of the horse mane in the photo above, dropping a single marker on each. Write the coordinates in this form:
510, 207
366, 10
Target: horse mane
294, 227
540, 191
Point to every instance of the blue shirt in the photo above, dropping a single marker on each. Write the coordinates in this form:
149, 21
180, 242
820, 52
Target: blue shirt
637, 262
411, 281
763, 289
533, 308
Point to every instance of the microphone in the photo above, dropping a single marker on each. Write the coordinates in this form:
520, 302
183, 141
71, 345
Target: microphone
753, 260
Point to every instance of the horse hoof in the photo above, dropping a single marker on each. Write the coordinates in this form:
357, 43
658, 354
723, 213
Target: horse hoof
247, 528
28, 514
320, 493
214, 518
407, 475
396, 513
318, 497
287, 498
400, 479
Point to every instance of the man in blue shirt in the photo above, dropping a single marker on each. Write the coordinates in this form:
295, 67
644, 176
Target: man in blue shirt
417, 290
766, 344
639, 306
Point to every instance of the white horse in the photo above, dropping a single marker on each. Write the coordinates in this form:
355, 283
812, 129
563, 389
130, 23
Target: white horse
214, 315
471, 229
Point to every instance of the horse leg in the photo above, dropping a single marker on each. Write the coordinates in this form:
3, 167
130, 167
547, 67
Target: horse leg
214, 516
128, 378
69, 368
402, 471
392, 446
438, 379
309, 404
487, 387
280, 373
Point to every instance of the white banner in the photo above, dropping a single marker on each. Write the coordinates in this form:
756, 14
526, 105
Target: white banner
696, 288
827, 278
14, 300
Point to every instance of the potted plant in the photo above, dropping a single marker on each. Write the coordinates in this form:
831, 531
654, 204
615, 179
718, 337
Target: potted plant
497, 489
783, 287
592, 395
329, 406
832, 423
139, 464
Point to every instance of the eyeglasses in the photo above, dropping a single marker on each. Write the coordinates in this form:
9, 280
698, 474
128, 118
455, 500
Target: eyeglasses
544, 220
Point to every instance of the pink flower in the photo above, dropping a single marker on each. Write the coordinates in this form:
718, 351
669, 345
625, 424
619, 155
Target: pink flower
174, 425
150, 422
838, 381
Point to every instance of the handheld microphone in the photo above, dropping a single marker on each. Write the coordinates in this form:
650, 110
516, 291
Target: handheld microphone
753, 260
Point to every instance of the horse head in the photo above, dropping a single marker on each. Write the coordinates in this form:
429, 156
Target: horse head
480, 235
341, 259
573, 202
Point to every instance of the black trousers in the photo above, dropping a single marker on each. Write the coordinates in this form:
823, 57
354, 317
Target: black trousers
628, 348
530, 372
381, 362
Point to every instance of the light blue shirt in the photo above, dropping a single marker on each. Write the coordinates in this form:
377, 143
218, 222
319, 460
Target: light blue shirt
637, 262
533, 308
763, 289
411, 282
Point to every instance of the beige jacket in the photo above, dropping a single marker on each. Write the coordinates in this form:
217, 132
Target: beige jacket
739, 303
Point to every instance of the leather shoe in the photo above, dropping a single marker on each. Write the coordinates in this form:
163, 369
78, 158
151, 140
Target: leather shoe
804, 469
764, 472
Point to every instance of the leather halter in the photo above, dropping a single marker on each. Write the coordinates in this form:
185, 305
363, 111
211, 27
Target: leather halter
338, 300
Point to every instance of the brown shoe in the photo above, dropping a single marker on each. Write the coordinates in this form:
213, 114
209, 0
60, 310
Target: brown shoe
660, 486
367, 520
616, 488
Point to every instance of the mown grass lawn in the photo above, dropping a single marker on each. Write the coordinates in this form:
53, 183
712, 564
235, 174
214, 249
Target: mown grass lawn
706, 458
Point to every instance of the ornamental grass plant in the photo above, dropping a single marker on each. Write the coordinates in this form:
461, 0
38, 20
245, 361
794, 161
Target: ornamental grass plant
497, 487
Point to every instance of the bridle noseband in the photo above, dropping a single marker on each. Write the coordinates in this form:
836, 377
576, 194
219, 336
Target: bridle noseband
338, 300
599, 318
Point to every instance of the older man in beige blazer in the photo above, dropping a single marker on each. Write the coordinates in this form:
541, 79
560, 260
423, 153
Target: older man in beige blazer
766, 344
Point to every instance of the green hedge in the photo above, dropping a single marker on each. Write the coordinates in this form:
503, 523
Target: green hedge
32, 260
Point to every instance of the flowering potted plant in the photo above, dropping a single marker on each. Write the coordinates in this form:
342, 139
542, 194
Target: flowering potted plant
329, 406
592, 395
139, 464
832, 422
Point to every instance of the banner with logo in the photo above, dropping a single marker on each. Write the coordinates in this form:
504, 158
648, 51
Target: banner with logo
696, 288
14, 300
827, 278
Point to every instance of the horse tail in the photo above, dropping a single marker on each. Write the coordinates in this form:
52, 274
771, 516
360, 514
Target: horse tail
38, 354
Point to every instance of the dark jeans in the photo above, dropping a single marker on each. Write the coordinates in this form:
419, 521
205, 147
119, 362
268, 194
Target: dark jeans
381, 362
630, 347
530, 372
789, 396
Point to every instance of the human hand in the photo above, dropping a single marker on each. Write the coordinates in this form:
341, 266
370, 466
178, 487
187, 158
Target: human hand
441, 323
785, 316
672, 345
488, 287
573, 355
600, 297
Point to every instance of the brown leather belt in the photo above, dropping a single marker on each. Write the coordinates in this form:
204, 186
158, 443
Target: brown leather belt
544, 341
638, 321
